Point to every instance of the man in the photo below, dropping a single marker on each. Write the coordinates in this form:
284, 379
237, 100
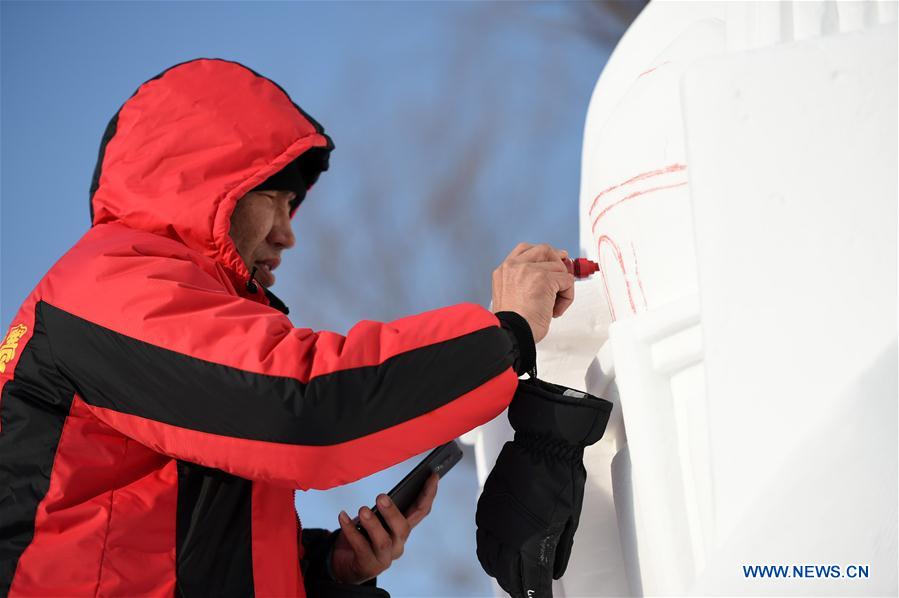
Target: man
157, 407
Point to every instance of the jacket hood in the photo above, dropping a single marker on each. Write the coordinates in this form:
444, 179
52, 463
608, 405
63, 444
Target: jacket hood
188, 144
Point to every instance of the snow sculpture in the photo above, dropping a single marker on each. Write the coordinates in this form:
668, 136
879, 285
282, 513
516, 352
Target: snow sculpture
739, 190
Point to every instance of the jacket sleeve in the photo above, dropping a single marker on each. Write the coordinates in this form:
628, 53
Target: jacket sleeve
161, 352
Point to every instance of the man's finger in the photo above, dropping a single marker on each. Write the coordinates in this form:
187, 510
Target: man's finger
521, 247
381, 543
563, 280
423, 503
564, 283
399, 526
361, 548
550, 266
564, 299
542, 253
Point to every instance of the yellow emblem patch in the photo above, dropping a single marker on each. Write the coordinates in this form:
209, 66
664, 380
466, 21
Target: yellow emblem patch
9, 346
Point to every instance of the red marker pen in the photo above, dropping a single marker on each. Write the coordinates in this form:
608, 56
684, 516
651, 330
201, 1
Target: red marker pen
581, 267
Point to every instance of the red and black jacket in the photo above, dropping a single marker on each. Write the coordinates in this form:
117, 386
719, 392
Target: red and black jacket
157, 413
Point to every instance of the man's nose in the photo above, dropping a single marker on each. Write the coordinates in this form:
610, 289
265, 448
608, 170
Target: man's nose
281, 234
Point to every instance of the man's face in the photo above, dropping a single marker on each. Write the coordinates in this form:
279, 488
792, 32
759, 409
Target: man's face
260, 228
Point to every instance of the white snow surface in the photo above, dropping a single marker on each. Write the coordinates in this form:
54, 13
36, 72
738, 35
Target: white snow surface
739, 190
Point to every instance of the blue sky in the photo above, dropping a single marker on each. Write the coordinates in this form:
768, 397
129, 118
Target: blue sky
458, 134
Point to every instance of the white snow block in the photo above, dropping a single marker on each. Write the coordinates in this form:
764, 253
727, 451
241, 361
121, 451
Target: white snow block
832, 502
658, 370
793, 153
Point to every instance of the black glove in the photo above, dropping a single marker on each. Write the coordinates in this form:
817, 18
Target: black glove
531, 503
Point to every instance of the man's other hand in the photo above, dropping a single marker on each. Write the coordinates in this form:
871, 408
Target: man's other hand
534, 282
355, 559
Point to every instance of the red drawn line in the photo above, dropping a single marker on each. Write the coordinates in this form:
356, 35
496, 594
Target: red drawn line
646, 72
605, 284
637, 274
633, 195
639, 177
627, 284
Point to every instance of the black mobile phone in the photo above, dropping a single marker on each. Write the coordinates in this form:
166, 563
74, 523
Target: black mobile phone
403, 495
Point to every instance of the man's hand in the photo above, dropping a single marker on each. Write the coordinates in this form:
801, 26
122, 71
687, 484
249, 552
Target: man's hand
534, 282
354, 559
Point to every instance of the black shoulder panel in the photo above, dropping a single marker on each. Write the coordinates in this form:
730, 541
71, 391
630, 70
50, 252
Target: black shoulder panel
33, 409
